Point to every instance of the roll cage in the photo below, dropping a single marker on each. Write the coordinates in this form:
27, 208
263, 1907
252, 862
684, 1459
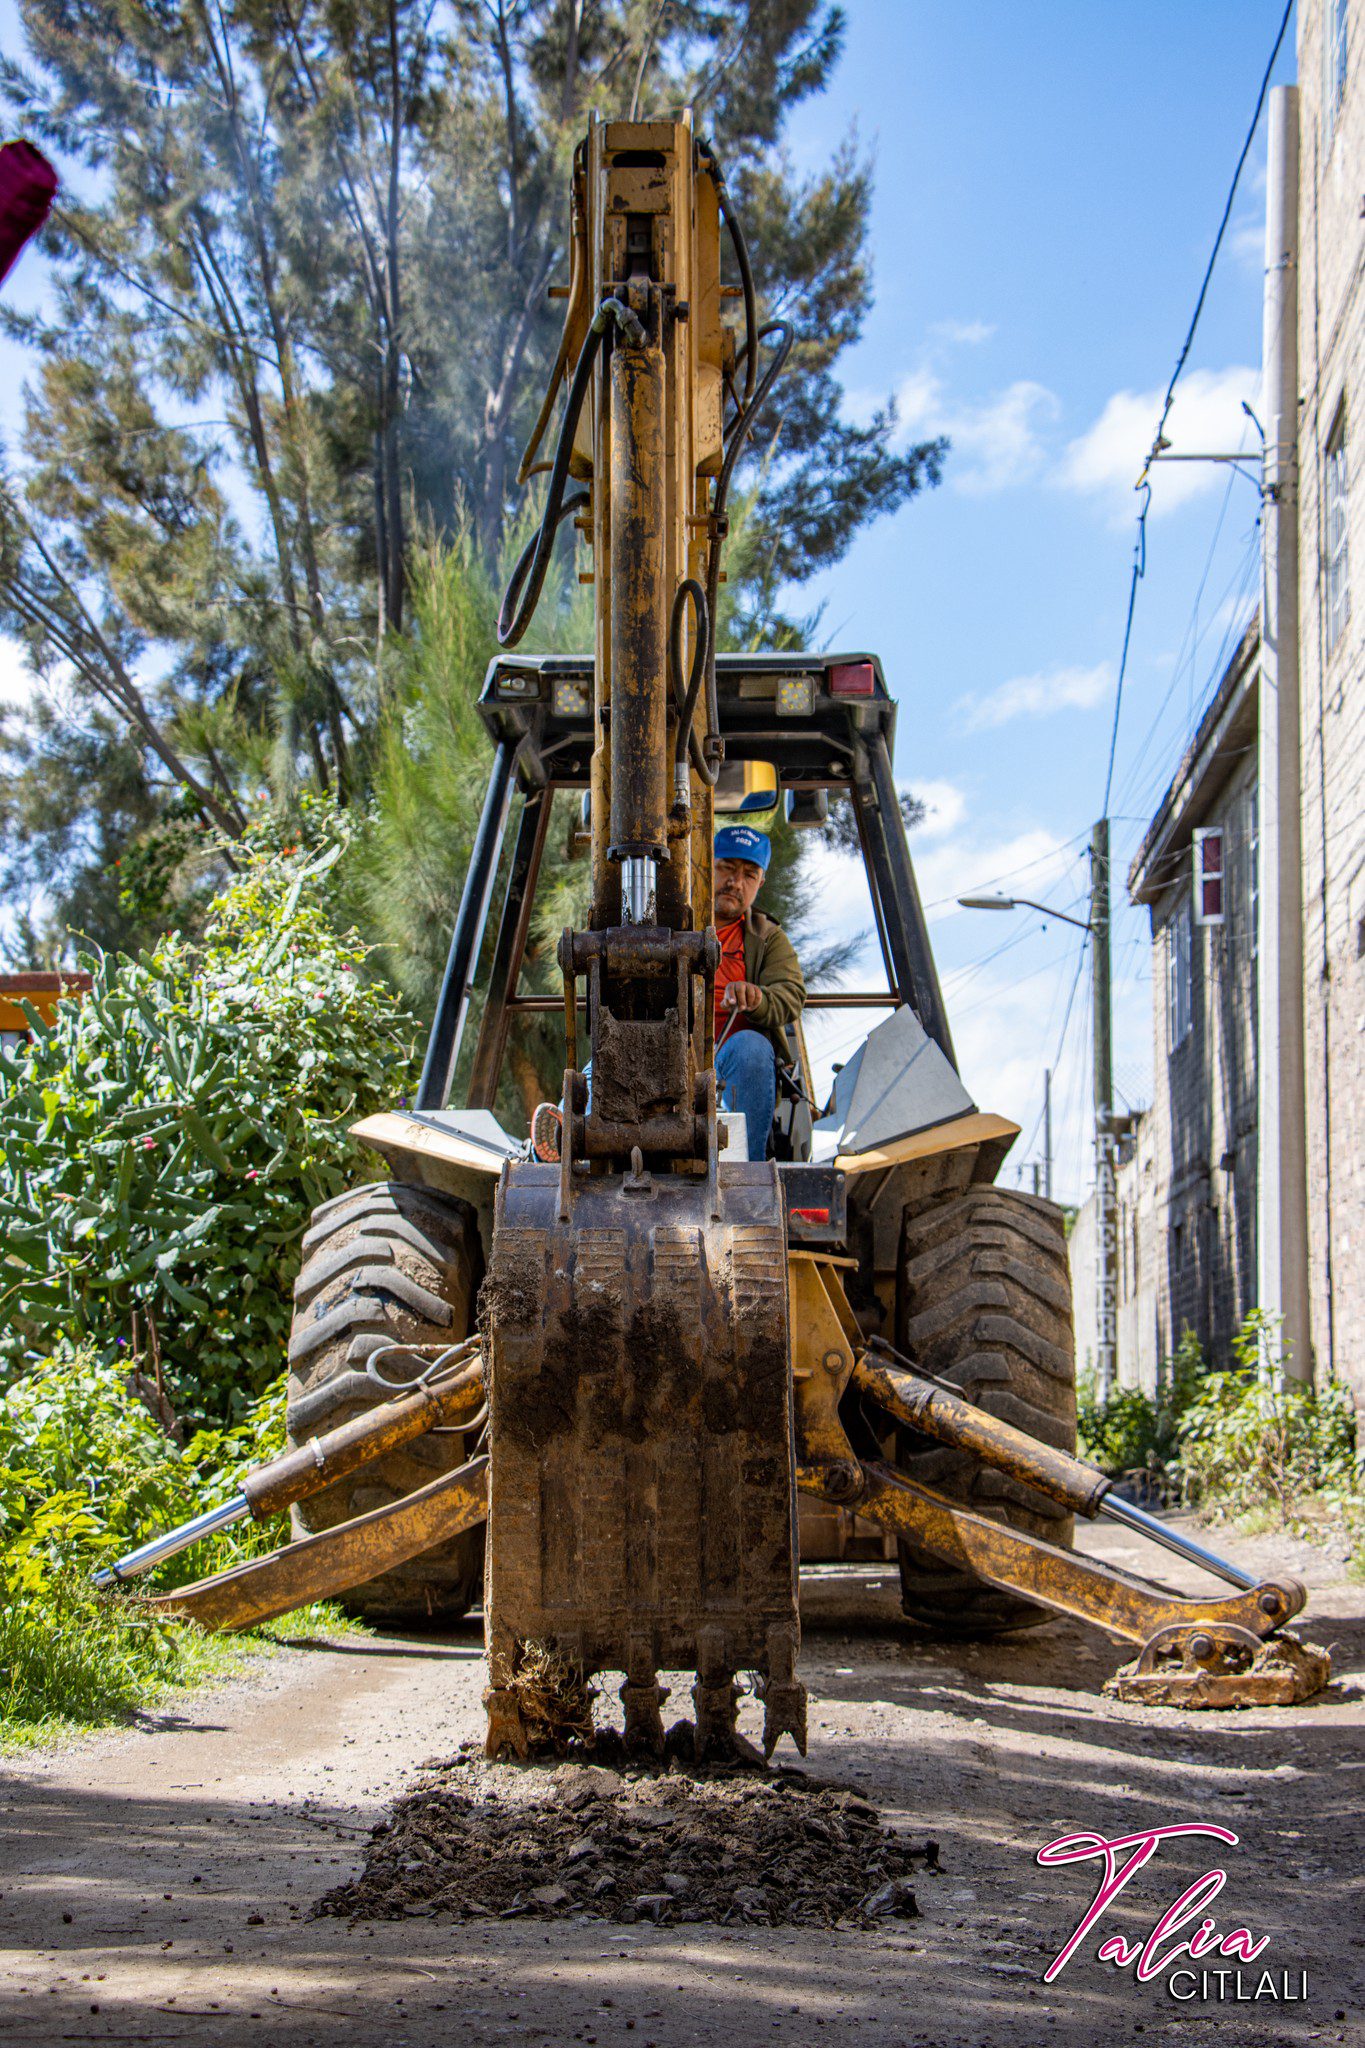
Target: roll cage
824, 722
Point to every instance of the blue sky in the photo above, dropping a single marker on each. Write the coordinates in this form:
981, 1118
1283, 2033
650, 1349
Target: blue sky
1048, 186
1048, 183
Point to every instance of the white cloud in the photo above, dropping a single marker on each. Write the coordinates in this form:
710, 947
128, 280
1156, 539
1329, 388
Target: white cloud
1246, 242
998, 441
945, 806
995, 441
17, 680
967, 863
964, 333
1206, 418
920, 404
1035, 696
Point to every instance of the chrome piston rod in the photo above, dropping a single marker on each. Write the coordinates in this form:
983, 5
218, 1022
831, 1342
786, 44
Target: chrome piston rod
1116, 1510
141, 1560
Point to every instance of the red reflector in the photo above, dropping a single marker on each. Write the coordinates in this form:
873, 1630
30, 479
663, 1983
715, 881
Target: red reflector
853, 679
812, 1215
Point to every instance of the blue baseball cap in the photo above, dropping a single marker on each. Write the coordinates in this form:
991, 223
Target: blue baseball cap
741, 842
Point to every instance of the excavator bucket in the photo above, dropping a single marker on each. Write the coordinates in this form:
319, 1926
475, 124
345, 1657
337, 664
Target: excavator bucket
640, 1501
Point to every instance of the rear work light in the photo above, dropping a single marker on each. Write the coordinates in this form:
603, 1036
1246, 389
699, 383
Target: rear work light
853, 679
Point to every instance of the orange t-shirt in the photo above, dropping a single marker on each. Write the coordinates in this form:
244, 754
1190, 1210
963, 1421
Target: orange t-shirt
731, 968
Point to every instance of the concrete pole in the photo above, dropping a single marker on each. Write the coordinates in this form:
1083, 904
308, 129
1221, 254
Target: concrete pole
1047, 1132
1282, 1205
1106, 1220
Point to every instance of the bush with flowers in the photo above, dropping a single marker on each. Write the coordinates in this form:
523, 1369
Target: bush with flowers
164, 1142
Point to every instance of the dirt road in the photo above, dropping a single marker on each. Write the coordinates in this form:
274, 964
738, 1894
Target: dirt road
155, 1885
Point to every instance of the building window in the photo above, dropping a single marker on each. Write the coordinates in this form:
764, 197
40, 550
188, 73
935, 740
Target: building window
1338, 593
1179, 1008
1335, 39
1210, 874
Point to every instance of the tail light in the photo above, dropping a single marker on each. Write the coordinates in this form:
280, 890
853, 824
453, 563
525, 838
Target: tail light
853, 679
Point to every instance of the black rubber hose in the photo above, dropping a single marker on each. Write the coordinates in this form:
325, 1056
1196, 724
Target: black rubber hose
517, 611
686, 698
733, 449
746, 280
510, 637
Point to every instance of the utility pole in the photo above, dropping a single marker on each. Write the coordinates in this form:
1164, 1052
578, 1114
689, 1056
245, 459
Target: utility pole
1106, 1221
1047, 1132
1282, 1206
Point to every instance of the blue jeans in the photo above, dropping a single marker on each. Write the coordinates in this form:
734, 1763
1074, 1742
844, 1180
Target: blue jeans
746, 1075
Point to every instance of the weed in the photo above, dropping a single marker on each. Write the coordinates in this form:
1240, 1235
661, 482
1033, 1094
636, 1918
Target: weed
85, 1471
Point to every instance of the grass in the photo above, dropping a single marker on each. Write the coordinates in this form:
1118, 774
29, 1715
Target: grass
85, 1473
76, 1661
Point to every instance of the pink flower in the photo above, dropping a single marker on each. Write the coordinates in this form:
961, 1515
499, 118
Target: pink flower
149, 1144
253, 1173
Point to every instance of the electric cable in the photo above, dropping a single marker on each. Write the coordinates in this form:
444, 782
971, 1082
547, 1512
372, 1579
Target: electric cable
1140, 547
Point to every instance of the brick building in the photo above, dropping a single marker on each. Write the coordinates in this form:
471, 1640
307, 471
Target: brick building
1199, 1147
1186, 1185
1188, 1215
1332, 667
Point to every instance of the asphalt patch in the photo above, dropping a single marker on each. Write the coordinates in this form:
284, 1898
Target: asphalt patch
728, 1847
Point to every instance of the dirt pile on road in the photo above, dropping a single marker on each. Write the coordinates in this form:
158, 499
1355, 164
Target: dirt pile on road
769, 1849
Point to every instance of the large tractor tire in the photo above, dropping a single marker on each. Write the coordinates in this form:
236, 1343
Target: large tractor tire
385, 1264
985, 1302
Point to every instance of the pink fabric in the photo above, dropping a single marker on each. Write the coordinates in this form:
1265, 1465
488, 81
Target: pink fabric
28, 185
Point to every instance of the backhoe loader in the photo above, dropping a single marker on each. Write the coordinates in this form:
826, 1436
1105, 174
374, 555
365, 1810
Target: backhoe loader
589, 1390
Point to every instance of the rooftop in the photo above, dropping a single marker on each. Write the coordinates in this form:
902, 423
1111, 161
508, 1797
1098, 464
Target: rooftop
1220, 743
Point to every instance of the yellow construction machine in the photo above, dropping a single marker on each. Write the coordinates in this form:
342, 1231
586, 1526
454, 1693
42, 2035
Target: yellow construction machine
590, 1390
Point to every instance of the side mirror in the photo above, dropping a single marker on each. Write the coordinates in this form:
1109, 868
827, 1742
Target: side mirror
807, 809
746, 786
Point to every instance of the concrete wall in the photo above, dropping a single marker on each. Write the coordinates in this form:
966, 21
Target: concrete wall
1332, 694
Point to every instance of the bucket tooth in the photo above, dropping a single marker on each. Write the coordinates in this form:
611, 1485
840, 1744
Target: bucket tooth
715, 1703
644, 1731
506, 1728
784, 1713
642, 1697
782, 1694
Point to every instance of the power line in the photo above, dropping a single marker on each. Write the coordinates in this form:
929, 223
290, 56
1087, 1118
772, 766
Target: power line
1024, 868
1140, 547
1222, 230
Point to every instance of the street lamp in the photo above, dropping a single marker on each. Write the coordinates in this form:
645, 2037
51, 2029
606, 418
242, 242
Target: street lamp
1097, 925
1082, 924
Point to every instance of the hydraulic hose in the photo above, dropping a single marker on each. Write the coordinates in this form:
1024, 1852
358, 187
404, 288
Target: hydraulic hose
527, 580
746, 275
734, 447
685, 697
746, 280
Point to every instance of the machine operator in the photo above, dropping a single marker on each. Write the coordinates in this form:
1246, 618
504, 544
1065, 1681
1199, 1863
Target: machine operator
759, 989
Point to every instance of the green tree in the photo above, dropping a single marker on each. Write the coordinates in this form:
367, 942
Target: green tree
299, 321
162, 1145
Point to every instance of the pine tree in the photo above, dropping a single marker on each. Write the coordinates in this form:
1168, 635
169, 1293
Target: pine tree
299, 329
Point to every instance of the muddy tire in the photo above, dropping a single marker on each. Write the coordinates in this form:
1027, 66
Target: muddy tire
985, 1302
383, 1264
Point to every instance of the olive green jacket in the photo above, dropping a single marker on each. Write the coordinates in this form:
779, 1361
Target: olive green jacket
770, 962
